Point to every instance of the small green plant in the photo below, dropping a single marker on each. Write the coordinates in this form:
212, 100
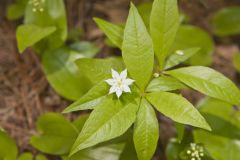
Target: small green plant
224, 21
183, 39
152, 83
220, 144
45, 30
57, 135
9, 150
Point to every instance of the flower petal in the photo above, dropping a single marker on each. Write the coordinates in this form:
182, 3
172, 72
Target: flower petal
112, 89
118, 92
115, 74
110, 81
126, 88
123, 74
128, 81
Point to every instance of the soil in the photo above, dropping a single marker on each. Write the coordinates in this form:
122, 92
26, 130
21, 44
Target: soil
25, 93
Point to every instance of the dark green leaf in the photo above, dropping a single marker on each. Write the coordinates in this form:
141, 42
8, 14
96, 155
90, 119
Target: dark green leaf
57, 135
177, 108
26, 156
225, 123
63, 74
113, 32
220, 148
180, 131
164, 22
80, 121
164, 83
146, 131
201, 39
16, 10
209, 82
28, 35
88, 49
222, 117
8, 148
41, 157
173, 150
144, 9
75, 34
225, 21
129, 152
137, 49
53, 14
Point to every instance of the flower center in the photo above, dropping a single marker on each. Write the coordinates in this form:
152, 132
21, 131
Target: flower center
119, 83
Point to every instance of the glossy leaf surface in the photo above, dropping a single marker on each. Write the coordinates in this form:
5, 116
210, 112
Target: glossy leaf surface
225, 21
109, 120
164, 22
63, 74
28, 35
177, 108
209, 82
137, 49
146, 131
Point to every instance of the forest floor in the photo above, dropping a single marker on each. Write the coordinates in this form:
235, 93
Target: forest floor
25, 93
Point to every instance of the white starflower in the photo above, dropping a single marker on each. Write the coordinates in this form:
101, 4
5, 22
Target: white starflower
119, 83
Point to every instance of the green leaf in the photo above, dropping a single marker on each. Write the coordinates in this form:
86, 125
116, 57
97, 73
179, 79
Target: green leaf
8, 148
88, 49
107, 121
16, 10
26, 156
220, 148
201, 39
164, 83
209, 82
116, 149
57, 135
220, 109
113, 32
224, 137
222, 117
146, 131
129, 152
144, 9
173, 149
80, 121
105, 152
224, 21
164, 22
91, 99
236, 61
63, 74
28, 35
180, 56
177, 108
53, 15
137, 49
41, 157
99, 69
75, 34
180, 131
